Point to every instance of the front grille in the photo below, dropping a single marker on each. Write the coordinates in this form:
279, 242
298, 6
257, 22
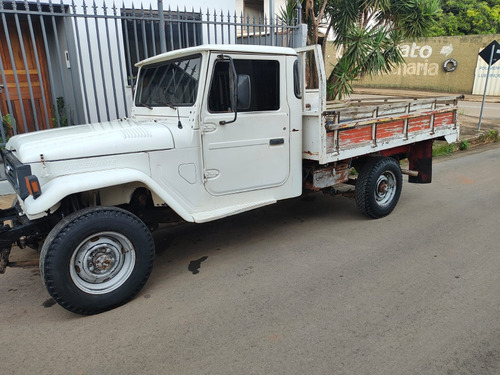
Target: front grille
15, 171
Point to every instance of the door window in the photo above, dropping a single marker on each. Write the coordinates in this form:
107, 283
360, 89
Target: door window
264, 83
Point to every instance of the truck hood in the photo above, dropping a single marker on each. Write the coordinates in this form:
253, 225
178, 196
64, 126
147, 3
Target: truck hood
81, 141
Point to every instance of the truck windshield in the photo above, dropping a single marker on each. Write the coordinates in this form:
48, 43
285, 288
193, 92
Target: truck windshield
169, 83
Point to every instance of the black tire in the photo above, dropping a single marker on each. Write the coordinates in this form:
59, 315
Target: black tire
378, 187
96, 259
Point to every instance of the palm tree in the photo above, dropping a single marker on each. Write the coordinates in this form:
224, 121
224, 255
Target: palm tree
367, 33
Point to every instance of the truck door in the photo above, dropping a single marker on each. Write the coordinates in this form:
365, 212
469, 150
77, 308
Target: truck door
252, 152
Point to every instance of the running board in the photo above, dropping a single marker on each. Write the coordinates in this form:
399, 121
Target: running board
203, 217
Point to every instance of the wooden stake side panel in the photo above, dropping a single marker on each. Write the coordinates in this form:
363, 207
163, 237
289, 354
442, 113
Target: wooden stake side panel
377, 134
390, 129
420, 124
446, 119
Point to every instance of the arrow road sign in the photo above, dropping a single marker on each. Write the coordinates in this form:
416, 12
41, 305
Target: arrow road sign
491, 54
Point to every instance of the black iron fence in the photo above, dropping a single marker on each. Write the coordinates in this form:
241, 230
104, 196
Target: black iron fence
63, 64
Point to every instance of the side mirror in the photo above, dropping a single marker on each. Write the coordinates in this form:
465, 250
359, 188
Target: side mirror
244, 92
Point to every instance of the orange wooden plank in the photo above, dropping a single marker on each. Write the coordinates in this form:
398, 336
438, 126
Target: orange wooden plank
390, 129
419, 124
355, 136
443, 119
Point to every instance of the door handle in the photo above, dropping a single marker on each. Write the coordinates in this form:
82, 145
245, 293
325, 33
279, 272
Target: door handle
276, 141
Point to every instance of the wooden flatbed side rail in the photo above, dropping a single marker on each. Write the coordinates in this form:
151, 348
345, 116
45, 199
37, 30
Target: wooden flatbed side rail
388, 103
386, 129
331, 116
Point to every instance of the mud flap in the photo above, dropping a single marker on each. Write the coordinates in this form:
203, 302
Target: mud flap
420, 159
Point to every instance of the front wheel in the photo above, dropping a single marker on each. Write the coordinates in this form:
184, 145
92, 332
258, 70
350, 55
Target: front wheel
378, 187
96, 259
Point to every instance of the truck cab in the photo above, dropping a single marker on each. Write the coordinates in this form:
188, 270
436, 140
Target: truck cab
236, 122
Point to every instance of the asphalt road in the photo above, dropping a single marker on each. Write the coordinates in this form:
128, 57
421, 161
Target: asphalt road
490, 110
307, 286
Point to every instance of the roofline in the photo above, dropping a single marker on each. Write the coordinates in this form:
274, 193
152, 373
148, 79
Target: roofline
224, 48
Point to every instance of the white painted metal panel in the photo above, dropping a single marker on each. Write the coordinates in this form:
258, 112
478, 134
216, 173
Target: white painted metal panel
253, 152
480, 78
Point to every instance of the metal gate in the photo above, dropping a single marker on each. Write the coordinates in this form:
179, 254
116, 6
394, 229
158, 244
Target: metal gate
63, 64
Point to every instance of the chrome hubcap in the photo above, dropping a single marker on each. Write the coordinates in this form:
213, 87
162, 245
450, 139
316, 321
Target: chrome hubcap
102, 262
385, 189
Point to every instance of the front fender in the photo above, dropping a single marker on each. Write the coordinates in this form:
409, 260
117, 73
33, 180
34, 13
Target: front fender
60, 187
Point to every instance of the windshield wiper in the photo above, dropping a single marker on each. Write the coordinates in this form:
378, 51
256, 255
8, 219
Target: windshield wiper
146, 105
169, 105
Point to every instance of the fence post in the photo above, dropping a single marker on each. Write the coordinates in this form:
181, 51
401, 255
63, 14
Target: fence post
161, 16
300, 37
271, 18
299, 12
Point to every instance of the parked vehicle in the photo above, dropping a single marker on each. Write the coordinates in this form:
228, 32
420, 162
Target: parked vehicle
214, 131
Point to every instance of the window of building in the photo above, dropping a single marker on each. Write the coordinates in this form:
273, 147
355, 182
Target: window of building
253, 8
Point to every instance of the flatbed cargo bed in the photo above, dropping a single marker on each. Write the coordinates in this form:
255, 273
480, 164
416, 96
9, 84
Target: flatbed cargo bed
340, 130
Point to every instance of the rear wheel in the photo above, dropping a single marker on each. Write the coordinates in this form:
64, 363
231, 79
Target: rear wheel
96, 259
378, 187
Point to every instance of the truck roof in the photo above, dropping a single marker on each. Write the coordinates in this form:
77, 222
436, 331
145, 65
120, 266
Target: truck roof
224, 48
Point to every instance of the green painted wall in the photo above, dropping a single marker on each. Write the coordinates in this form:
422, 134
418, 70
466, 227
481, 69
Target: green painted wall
424, 70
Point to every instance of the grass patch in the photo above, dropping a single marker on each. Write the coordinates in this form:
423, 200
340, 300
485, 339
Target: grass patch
493, 135
443, 148
490, 136
464, 145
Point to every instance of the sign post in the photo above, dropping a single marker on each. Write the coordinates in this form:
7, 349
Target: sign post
490, 54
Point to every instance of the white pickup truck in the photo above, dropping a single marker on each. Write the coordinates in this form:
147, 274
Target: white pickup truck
214, 131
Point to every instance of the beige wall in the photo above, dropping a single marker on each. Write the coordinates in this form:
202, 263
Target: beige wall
424, 64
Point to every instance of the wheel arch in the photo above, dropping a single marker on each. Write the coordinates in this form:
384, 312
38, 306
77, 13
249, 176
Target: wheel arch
360, 162
61, 187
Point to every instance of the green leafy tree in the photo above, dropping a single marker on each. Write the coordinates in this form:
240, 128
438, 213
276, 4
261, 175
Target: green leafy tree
466, 17
368, 33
